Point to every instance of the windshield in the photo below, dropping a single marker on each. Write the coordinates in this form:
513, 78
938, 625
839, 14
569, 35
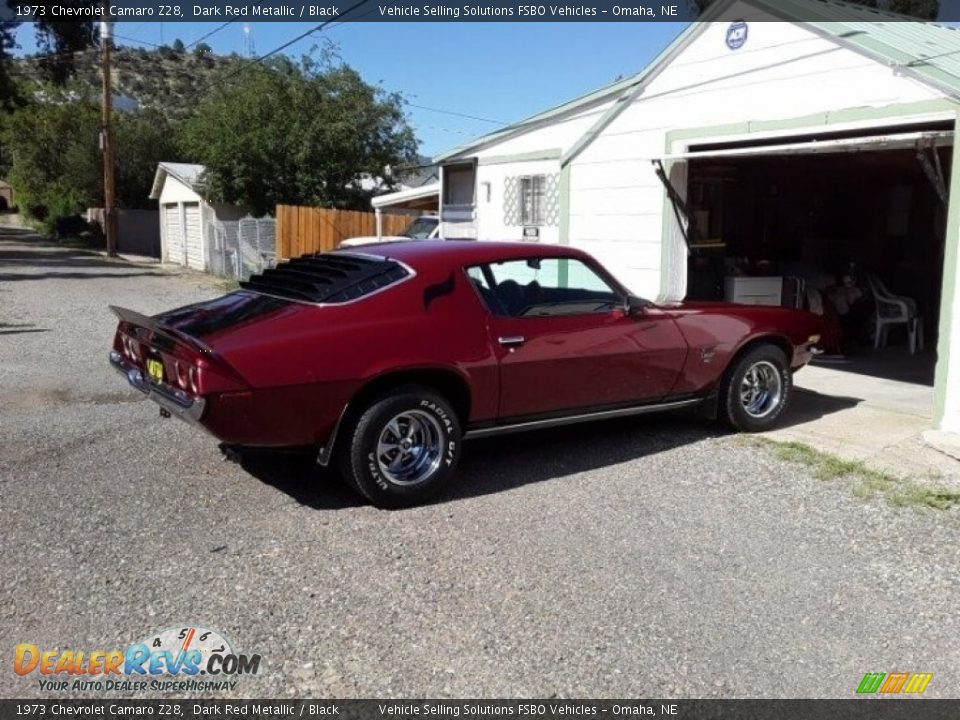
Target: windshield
421, 228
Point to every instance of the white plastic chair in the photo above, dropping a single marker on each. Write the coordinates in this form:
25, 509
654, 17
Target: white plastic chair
890, 309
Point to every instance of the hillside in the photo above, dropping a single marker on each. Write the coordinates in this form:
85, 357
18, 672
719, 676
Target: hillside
148, 78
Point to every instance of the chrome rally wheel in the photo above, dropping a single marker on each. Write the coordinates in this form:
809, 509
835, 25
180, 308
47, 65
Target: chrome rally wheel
756, 389
401, 447
761, 389
409, 449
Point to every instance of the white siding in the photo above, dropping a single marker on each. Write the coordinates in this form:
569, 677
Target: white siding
558, 134
175, 191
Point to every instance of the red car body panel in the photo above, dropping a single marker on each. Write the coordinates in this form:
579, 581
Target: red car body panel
272, 372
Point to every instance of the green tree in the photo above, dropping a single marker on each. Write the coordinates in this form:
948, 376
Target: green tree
10, 96
54, 155
142, 139
52, 147
202, 49
300, 134
178, 46
924, 9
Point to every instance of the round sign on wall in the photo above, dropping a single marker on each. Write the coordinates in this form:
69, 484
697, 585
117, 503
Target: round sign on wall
737, 35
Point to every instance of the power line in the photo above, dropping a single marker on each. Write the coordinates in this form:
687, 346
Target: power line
457, 114
142, 42
297, 39
212, 32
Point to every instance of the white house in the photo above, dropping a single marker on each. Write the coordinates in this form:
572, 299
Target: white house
184, 214
821, 140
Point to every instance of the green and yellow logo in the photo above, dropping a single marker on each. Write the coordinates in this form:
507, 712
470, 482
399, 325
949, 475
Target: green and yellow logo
913, 683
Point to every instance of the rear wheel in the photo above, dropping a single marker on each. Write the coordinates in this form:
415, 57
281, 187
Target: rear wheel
756, 389
403, 447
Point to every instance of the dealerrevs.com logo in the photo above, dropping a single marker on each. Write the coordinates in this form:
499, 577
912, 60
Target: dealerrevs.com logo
186, 659
894, 683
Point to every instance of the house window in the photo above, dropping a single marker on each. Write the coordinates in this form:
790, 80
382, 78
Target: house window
531, 200
532, 191
458, 181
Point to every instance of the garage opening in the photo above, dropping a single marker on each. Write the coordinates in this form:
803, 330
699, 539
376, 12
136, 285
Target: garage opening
850, 227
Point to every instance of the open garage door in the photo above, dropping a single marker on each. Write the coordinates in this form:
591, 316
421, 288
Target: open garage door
840, 224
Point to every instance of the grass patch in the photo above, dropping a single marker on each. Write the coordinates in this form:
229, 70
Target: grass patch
228, 284
868, 483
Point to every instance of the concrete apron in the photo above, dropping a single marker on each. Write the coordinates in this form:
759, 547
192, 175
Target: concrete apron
884, 423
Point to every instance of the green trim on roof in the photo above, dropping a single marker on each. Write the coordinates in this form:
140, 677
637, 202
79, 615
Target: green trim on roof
551, 154
848, 115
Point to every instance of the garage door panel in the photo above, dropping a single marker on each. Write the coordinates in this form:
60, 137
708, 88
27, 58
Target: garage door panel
173, 234
194, 235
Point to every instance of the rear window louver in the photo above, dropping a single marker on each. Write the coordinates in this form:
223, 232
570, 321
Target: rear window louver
327, 278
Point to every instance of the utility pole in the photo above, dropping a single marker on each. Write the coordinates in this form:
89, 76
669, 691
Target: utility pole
106, 139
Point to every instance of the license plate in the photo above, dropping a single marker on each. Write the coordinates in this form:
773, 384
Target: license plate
155, 370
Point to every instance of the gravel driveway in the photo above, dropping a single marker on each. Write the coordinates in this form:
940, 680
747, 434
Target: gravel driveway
652, 557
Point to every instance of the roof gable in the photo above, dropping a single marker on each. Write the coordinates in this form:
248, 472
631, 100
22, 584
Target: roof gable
188, 174
925, 50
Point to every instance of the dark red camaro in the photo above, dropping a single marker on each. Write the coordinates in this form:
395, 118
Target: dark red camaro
387, 356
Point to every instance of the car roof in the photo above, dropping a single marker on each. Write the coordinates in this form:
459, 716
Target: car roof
423, 254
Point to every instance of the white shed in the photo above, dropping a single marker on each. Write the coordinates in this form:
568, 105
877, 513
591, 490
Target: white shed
184, 213
672, 175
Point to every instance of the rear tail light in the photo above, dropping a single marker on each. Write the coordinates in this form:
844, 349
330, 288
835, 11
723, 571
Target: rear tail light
131, 348
182, 374
188, 376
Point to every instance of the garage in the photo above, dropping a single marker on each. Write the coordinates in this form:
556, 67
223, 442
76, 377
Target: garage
848, 225
187, 220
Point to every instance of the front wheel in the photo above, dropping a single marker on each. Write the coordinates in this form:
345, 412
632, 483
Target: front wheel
756, 389
403, 447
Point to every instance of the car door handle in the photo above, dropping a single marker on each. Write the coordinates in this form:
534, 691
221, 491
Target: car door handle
511, 340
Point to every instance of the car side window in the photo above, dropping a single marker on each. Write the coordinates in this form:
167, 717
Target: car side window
542, 287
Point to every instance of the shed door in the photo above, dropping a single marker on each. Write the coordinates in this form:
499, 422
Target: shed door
194, 235
173, 233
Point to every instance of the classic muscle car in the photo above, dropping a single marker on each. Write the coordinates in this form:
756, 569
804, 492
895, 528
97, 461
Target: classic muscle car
385, 358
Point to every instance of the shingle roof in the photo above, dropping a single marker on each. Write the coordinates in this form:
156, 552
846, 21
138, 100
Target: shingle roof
926, 50
187, 173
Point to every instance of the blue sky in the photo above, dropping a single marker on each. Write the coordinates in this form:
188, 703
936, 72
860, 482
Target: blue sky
498, 71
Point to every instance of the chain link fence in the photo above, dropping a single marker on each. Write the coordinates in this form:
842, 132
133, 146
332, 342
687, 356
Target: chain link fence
240, 248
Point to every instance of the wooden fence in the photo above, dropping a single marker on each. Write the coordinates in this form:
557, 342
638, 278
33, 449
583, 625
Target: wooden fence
302, 230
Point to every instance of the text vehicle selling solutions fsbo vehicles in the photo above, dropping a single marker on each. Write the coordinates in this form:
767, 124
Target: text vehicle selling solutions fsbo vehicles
385, 358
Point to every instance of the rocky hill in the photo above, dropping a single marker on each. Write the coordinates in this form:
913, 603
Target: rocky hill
161, 78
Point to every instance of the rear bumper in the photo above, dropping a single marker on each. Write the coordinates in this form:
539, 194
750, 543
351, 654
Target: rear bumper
176, 402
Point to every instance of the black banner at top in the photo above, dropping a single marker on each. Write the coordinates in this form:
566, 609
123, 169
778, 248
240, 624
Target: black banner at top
458, 709
323, 11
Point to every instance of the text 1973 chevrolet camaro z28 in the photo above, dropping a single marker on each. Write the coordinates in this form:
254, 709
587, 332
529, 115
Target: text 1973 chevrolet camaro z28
386, 357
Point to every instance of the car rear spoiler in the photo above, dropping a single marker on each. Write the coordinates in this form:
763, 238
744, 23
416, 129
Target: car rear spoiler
140, 320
